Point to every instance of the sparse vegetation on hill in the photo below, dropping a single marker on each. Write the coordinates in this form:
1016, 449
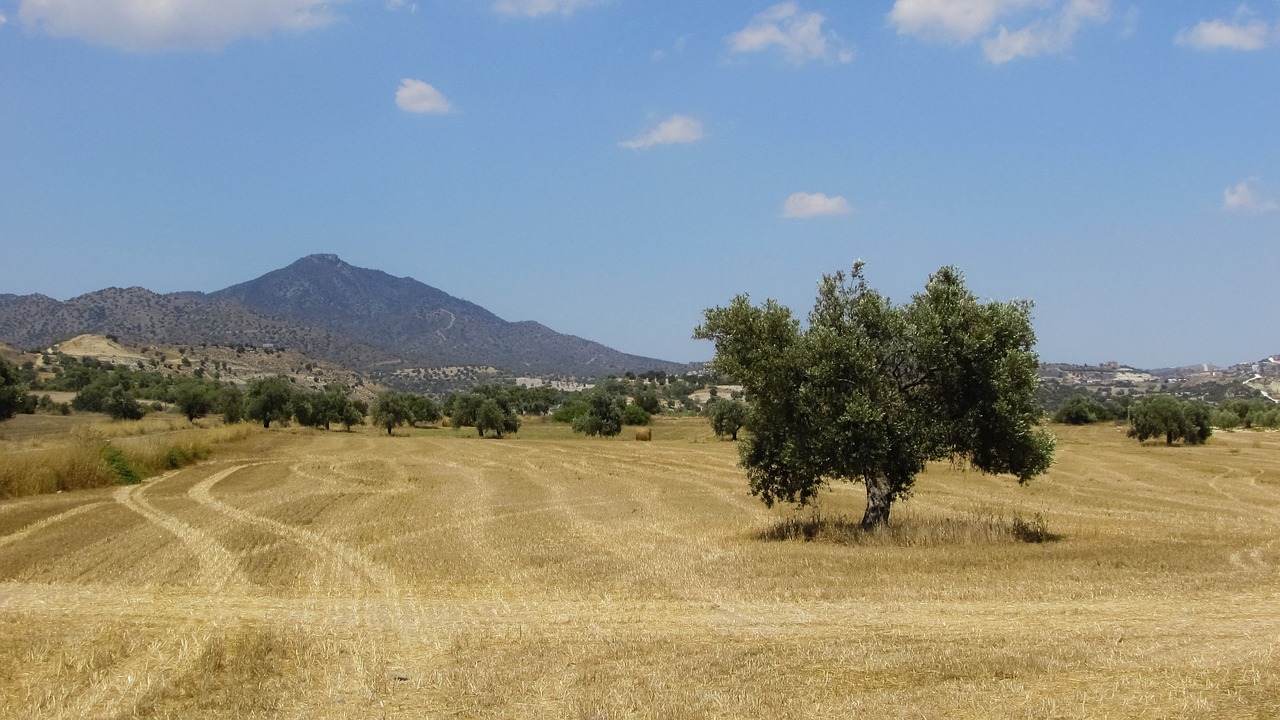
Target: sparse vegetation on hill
397, 330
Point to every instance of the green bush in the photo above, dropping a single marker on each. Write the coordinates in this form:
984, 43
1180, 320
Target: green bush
1081, 410
120, 466
636, 415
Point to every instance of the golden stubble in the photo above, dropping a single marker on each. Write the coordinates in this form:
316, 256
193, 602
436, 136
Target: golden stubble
334, 575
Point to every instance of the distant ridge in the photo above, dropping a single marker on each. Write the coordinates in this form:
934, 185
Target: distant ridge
364, 319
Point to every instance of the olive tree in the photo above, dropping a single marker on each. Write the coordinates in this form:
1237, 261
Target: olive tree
871, 391
390, 409
13, 390
269, 399
603, 415
195, 398
727, 416
494, 415
1166, 415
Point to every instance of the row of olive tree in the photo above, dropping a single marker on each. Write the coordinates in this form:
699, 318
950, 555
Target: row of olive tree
391, 409
1188, 420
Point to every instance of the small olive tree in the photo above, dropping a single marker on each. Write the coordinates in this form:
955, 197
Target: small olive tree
195, 398
269, 399
603, 416
390, 409
727, 416
493, 416
1165, 415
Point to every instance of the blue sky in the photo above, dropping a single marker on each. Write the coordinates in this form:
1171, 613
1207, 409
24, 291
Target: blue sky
611, 167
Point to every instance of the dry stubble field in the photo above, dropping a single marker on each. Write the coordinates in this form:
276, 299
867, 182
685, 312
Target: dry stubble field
337, 575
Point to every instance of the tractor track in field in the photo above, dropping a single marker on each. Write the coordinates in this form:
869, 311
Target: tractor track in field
219, 567
353, 562
43, 523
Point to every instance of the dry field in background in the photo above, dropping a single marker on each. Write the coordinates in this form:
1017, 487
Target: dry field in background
351, 575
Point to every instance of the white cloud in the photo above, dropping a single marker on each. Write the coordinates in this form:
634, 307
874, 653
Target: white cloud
1215, 34
1048, 36
394, 5
534, 8
957, 21
1245, 197
675, 129
806, 205
798, 34
3, 19
1047, 26
416, 96
149, 26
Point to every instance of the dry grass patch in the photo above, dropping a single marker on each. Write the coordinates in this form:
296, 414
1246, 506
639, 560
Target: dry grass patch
99, 454
977, 527
335, 575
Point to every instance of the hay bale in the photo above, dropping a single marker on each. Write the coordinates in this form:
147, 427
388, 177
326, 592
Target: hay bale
644, 434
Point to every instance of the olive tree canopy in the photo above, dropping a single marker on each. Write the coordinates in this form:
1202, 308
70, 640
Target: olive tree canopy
870, 391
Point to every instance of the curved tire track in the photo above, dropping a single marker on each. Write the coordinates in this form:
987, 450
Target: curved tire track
356, 564
46, 522
219, 567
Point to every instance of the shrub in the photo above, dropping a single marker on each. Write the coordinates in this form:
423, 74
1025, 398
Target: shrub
603, 417
569, 412
120, 466
636, 415
1081, 410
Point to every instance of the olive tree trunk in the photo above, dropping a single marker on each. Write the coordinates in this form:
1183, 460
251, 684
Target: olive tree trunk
879, 497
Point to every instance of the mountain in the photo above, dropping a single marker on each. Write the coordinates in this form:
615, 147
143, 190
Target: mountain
141, 317
422, 324
363, 319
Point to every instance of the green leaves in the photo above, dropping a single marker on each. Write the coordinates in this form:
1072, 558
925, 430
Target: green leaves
1174, 419
871, 391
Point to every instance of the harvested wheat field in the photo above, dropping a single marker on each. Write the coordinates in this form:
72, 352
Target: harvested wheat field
354, 575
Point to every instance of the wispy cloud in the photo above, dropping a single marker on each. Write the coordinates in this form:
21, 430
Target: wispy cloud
1047, 36
958, 21
673, 130
806, 205
173, 24
796, 33
1243, 33
1246, 197
1047, 26
394, 5
3, 19
416, 96
534, 8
